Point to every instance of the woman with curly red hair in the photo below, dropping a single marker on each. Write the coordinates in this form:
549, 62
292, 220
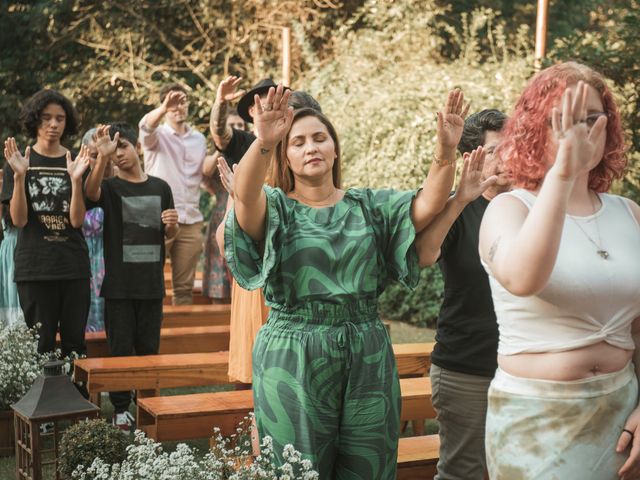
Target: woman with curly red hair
563, 258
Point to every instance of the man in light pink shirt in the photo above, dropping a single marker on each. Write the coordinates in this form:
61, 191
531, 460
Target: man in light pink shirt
174, 151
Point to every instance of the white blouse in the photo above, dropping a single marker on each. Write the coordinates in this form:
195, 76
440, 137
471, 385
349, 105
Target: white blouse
588, 298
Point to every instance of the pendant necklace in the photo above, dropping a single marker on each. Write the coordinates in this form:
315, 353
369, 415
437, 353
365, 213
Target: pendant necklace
599, 250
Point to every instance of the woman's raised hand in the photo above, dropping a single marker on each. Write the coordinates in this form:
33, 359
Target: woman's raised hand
272, 117
471, 184
76, 168
226, 175
18, 163
451, 120
576, 142
105, 145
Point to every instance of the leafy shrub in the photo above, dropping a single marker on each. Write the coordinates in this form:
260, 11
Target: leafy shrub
419, 306
83, 442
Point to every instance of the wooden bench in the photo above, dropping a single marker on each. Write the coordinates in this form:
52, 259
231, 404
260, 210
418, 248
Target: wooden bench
184, 417
184, 370
418, 457
152, 372
172, 340
195, 315
413, 359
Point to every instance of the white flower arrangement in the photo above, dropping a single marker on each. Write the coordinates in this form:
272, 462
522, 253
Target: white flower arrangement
229, 459
20, 362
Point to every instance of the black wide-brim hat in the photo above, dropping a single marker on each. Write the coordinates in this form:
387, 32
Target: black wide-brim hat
246, 100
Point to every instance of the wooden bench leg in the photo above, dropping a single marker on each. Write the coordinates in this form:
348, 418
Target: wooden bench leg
96, 399
418, 427
155, 392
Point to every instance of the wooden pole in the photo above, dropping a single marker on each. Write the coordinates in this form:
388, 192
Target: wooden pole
286, 56
541, 31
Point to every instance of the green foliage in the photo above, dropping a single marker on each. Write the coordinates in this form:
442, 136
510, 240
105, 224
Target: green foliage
112, 57
83, 442
419, 306
610, 42
386, 116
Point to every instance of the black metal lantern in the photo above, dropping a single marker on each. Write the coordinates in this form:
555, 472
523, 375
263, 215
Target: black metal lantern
52, 401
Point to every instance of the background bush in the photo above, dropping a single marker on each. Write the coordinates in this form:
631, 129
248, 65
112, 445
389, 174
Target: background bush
82, 442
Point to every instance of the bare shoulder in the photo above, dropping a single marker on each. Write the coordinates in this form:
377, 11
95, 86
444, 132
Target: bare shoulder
504, 208
501, 223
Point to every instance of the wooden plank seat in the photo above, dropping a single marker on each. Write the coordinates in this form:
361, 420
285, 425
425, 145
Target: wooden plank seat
182, 370
195, 315
184, 417
413, 359
418, 457
152, 372
172, 340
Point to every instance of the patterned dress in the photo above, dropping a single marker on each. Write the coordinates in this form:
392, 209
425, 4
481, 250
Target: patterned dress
92, 231
324, 373
216, 281
10, 311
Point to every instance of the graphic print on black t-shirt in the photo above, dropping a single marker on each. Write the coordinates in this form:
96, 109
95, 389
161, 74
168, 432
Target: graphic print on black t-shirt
50, 193
140, 226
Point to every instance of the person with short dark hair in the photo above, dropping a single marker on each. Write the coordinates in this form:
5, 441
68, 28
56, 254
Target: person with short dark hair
175, 152
43, 189
138, 216
464, 358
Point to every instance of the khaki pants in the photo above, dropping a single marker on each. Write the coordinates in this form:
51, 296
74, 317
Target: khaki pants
460, 401
184, 250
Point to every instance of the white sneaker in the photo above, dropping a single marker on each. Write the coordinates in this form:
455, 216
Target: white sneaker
124, 421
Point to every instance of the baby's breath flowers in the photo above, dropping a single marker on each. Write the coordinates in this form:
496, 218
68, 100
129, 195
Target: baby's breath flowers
230, 458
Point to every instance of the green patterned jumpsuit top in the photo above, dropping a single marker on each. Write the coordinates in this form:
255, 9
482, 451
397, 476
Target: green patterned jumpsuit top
324, 372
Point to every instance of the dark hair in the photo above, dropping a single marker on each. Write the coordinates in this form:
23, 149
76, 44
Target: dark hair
171, 87
31, 114
475, 126
280, 175
300, 99
125, 130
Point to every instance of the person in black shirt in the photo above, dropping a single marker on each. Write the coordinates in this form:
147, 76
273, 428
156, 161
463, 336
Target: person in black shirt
232, 142
464, 359
138, 215
43, 189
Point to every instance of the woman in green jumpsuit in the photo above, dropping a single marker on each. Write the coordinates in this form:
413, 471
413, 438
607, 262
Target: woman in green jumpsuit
324, 373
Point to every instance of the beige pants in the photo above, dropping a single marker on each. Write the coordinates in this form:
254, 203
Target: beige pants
184, 250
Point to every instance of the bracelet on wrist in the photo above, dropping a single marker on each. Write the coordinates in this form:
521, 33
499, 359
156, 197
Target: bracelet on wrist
444, 163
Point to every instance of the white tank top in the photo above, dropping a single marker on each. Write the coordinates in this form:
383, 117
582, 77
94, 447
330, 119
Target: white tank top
588, 299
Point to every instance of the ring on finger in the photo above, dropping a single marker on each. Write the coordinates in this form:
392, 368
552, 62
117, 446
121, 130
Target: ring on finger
561, 134
268, 107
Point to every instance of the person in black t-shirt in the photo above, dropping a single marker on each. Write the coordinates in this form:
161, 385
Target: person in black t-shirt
43, 189
464, 359
138, 215
233, 142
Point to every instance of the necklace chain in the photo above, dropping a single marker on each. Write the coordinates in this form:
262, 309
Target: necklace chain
316, 202
600, 251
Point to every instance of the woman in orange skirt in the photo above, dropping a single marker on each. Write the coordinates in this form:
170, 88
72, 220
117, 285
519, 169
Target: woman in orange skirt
248, 310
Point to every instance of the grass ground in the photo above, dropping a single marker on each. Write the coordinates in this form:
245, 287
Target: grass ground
400, 333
